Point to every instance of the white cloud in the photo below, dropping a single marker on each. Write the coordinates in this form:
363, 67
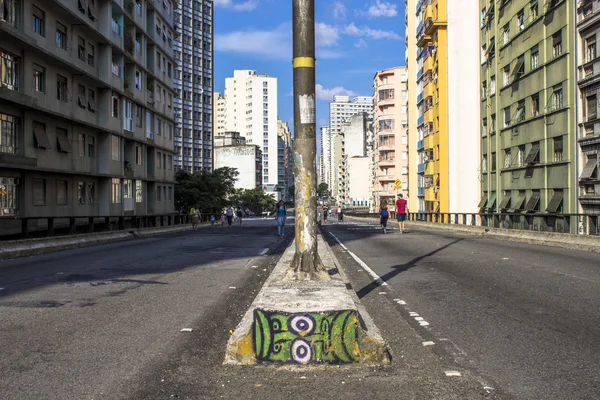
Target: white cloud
360, 44
339, 10
353, 30
247, 5
326, 35
382, 9
327, 94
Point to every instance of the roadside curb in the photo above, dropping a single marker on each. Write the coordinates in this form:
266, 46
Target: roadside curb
31, 247
553, 239
306, 322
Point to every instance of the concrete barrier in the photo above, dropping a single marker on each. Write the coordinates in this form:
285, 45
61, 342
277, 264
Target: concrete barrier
31, 247
564, 240
306, 322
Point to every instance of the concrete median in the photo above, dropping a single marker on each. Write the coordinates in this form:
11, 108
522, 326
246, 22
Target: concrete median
306, 322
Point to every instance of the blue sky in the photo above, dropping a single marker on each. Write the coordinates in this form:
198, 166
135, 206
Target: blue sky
354, 39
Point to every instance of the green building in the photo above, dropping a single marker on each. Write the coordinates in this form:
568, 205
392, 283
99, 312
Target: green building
528, 127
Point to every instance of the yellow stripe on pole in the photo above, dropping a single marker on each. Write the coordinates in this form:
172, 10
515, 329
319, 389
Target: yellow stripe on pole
303, 62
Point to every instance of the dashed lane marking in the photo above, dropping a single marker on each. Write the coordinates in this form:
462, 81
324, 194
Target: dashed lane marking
264, 252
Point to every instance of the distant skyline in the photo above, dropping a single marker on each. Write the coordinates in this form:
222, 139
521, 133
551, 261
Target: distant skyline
354, 40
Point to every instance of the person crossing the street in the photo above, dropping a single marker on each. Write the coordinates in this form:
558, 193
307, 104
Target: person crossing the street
401, 210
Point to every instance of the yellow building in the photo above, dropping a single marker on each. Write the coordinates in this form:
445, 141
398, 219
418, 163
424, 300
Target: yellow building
447, 106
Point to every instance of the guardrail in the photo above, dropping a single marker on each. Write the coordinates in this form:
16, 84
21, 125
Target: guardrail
581, 224
72, 225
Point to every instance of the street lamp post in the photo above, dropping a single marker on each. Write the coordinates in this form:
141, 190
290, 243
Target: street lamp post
306, 261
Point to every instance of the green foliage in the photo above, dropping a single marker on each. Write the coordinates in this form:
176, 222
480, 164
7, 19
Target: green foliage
323, 190
208, 192
255, 200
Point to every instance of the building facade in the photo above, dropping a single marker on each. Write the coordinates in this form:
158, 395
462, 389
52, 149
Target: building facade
342, 108
448, 106
194, 85
327, 155
527, 110
391, 140
86, 112
251, 109
359, 184
285, 160
410, 42
588, 67
218, 114
247, 159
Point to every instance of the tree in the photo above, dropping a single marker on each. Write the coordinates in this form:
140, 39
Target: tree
208, 192
323, 190
255, 200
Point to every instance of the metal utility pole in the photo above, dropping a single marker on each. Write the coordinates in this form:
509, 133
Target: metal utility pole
306, 261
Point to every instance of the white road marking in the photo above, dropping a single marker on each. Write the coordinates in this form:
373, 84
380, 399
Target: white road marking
419, 319
423, 323
265, 251
413, 314
379, 281
382, 293
452, 373
187, 330
428, 343
232, 287
402, 302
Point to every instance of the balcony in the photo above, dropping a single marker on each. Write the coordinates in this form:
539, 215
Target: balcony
386, 162
419, 74
588, 73
386, 178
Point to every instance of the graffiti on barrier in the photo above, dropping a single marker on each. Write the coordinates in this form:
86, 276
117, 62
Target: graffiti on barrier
306, 338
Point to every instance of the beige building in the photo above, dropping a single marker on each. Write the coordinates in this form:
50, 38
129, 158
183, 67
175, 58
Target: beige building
359, 182
391, 142
86, 110
219, 116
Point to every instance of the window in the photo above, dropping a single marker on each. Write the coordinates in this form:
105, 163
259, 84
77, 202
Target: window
40, 138
81, 144
61, 88
520, 116
591, 107
170, 193
158, 193
507, 158
558, 149
557, 44
38, 187
138, 79
519, 69
91, 192
9, 71
116, 28
535, 105
138, 154
170, 162
521, 20
506, 75
39, 78
493, 85
81, 198
9, 126
493, 166
535, 57
115, 146
61, 36
91, 54
557, 96
81, 97
39, 21
115, 69
62, 196
127, 115
91, 100
138, 115
81, 50
63, 145
521, 156
9, 14
158, 160
139, 192
91, 10
506, 33
506, 117
115, 107
116, 191
92, 147
590, 47
533, 9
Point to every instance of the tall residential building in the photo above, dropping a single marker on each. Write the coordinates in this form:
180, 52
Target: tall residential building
410, 43
285, 158
588, 27
448, 105
327, 154
351, 143
527, 110
218, 114
86, 117
251, 109
342, 108
391, 141
194, 85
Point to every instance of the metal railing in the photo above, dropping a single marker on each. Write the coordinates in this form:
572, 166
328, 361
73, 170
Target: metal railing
581, 224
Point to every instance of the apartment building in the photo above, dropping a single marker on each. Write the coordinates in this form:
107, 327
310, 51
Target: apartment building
390, 94
218, 114
232, 151
410, 43
251, 109
86, 113
327, 155
342, 108
527, 110
285, 160
448, 106
194, 85
588, 80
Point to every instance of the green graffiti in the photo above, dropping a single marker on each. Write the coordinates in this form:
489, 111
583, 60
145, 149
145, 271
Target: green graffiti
306, 338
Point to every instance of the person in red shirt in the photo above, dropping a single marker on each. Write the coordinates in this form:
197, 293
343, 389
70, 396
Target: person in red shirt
401, 210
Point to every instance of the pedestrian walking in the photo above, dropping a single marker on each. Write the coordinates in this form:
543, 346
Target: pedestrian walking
325, 213
212, 220
194, 217
239, 216
229, 214
280, 213
384, 215
401, 210
222, 220
340, 214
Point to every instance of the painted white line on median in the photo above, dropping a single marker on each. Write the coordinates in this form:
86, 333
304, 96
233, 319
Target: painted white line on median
265, 251
452, 373
428, 343
379, 281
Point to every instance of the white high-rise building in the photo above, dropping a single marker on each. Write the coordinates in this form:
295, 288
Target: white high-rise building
326, 154
251, 110
341, 109
193, 85
218, 114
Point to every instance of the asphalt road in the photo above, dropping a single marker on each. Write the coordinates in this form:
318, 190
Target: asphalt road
524, 318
